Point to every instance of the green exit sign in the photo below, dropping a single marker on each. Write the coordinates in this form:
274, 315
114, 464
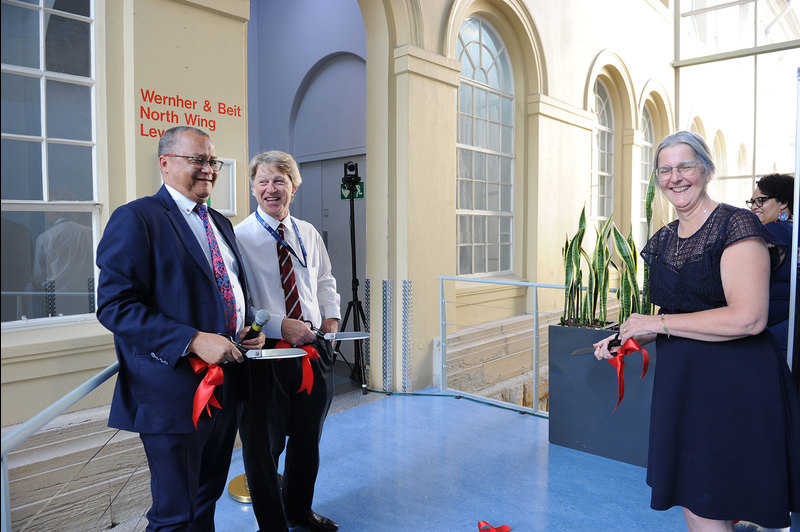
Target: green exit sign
344, 191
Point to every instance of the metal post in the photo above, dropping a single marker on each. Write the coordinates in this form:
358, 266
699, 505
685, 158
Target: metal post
443, 336
387, 336
367, 292
407, 346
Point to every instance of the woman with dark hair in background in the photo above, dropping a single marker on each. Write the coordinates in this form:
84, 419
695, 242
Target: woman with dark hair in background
772, 202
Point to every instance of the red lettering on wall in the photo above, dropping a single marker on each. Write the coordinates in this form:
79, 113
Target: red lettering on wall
229, 110
173, 101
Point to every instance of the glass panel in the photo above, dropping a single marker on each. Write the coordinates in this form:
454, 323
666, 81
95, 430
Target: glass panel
464, 164
479, 229
480, 103
494, 107
70, 171
79, 7
505, 169
493, 141
464, 194
721, 30
507, 145
493, 257
508, 111
480, 166
21, 105
465, 97
493, 192
777, 93
469, 30
69, 111
506, 202
464, 260
465, 230
505, 230
777, 22
20, 36
480, 134
480, 195
465, 131
493, 168
63, 265
22, 170
67, 46
505, 257
492, 77
479, 259
492, 229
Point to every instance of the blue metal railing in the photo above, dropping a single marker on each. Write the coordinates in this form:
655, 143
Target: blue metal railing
27, 429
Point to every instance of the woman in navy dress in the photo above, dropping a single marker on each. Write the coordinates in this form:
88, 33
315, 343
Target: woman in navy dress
772, 203
725, 418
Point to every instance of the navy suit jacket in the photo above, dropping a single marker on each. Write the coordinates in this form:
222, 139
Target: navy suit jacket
155, 291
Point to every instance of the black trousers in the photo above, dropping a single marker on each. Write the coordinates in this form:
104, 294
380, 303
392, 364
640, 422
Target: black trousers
274, 411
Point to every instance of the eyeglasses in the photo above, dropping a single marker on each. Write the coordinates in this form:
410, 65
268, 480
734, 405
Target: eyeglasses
685, 169
758, 202
199, 162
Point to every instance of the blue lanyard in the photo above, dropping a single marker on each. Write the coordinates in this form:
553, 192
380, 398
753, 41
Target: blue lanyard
284, 243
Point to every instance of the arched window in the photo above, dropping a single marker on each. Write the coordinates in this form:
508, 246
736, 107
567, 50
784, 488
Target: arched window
485, 151
648, 150
602, 192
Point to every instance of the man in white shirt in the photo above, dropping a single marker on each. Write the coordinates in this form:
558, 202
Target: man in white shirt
290, 276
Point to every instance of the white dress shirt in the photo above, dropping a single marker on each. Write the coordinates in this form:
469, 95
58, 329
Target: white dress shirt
315, 282
198, 228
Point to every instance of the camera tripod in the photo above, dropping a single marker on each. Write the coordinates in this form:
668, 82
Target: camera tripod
358, 371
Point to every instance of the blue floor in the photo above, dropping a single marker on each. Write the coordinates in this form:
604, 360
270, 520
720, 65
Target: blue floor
436, 463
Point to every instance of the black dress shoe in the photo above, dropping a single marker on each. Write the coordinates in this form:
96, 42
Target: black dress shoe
314, 521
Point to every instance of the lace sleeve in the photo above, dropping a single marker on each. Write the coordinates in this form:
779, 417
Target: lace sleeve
745, 224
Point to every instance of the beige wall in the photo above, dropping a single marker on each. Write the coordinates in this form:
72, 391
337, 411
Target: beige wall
195, 49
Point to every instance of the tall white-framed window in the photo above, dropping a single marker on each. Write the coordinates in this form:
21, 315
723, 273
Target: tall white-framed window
648, 151
602, 181
49, 199
485, 146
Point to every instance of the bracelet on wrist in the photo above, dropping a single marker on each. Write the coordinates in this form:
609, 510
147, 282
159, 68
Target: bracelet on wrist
664, 324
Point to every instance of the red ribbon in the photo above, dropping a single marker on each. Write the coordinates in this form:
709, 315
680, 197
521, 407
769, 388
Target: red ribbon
630, 346
204, 396
483, 526
308, 372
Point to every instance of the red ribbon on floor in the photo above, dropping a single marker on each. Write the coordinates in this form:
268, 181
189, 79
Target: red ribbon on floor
483, 526
308, 372
630, 346
204, 396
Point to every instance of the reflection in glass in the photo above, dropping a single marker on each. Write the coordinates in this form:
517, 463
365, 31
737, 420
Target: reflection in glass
67, 45
48, 264
79, 7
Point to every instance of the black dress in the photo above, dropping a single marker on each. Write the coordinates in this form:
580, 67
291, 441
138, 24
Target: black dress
725, 418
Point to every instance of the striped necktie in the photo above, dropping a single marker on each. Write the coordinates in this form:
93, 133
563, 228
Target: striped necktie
220, 273
290, 295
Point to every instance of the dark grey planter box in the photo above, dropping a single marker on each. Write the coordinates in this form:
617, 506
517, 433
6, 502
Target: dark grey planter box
583, 393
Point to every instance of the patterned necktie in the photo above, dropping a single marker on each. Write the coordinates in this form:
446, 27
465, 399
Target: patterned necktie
290, 295
220, 273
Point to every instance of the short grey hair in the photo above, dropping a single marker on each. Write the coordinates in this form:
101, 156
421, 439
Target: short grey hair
170, 138
695, 142
284, 162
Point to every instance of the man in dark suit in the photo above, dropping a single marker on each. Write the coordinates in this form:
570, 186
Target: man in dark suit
172, 289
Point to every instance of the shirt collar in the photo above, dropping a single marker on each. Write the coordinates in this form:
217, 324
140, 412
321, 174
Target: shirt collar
184, 203
274, 222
